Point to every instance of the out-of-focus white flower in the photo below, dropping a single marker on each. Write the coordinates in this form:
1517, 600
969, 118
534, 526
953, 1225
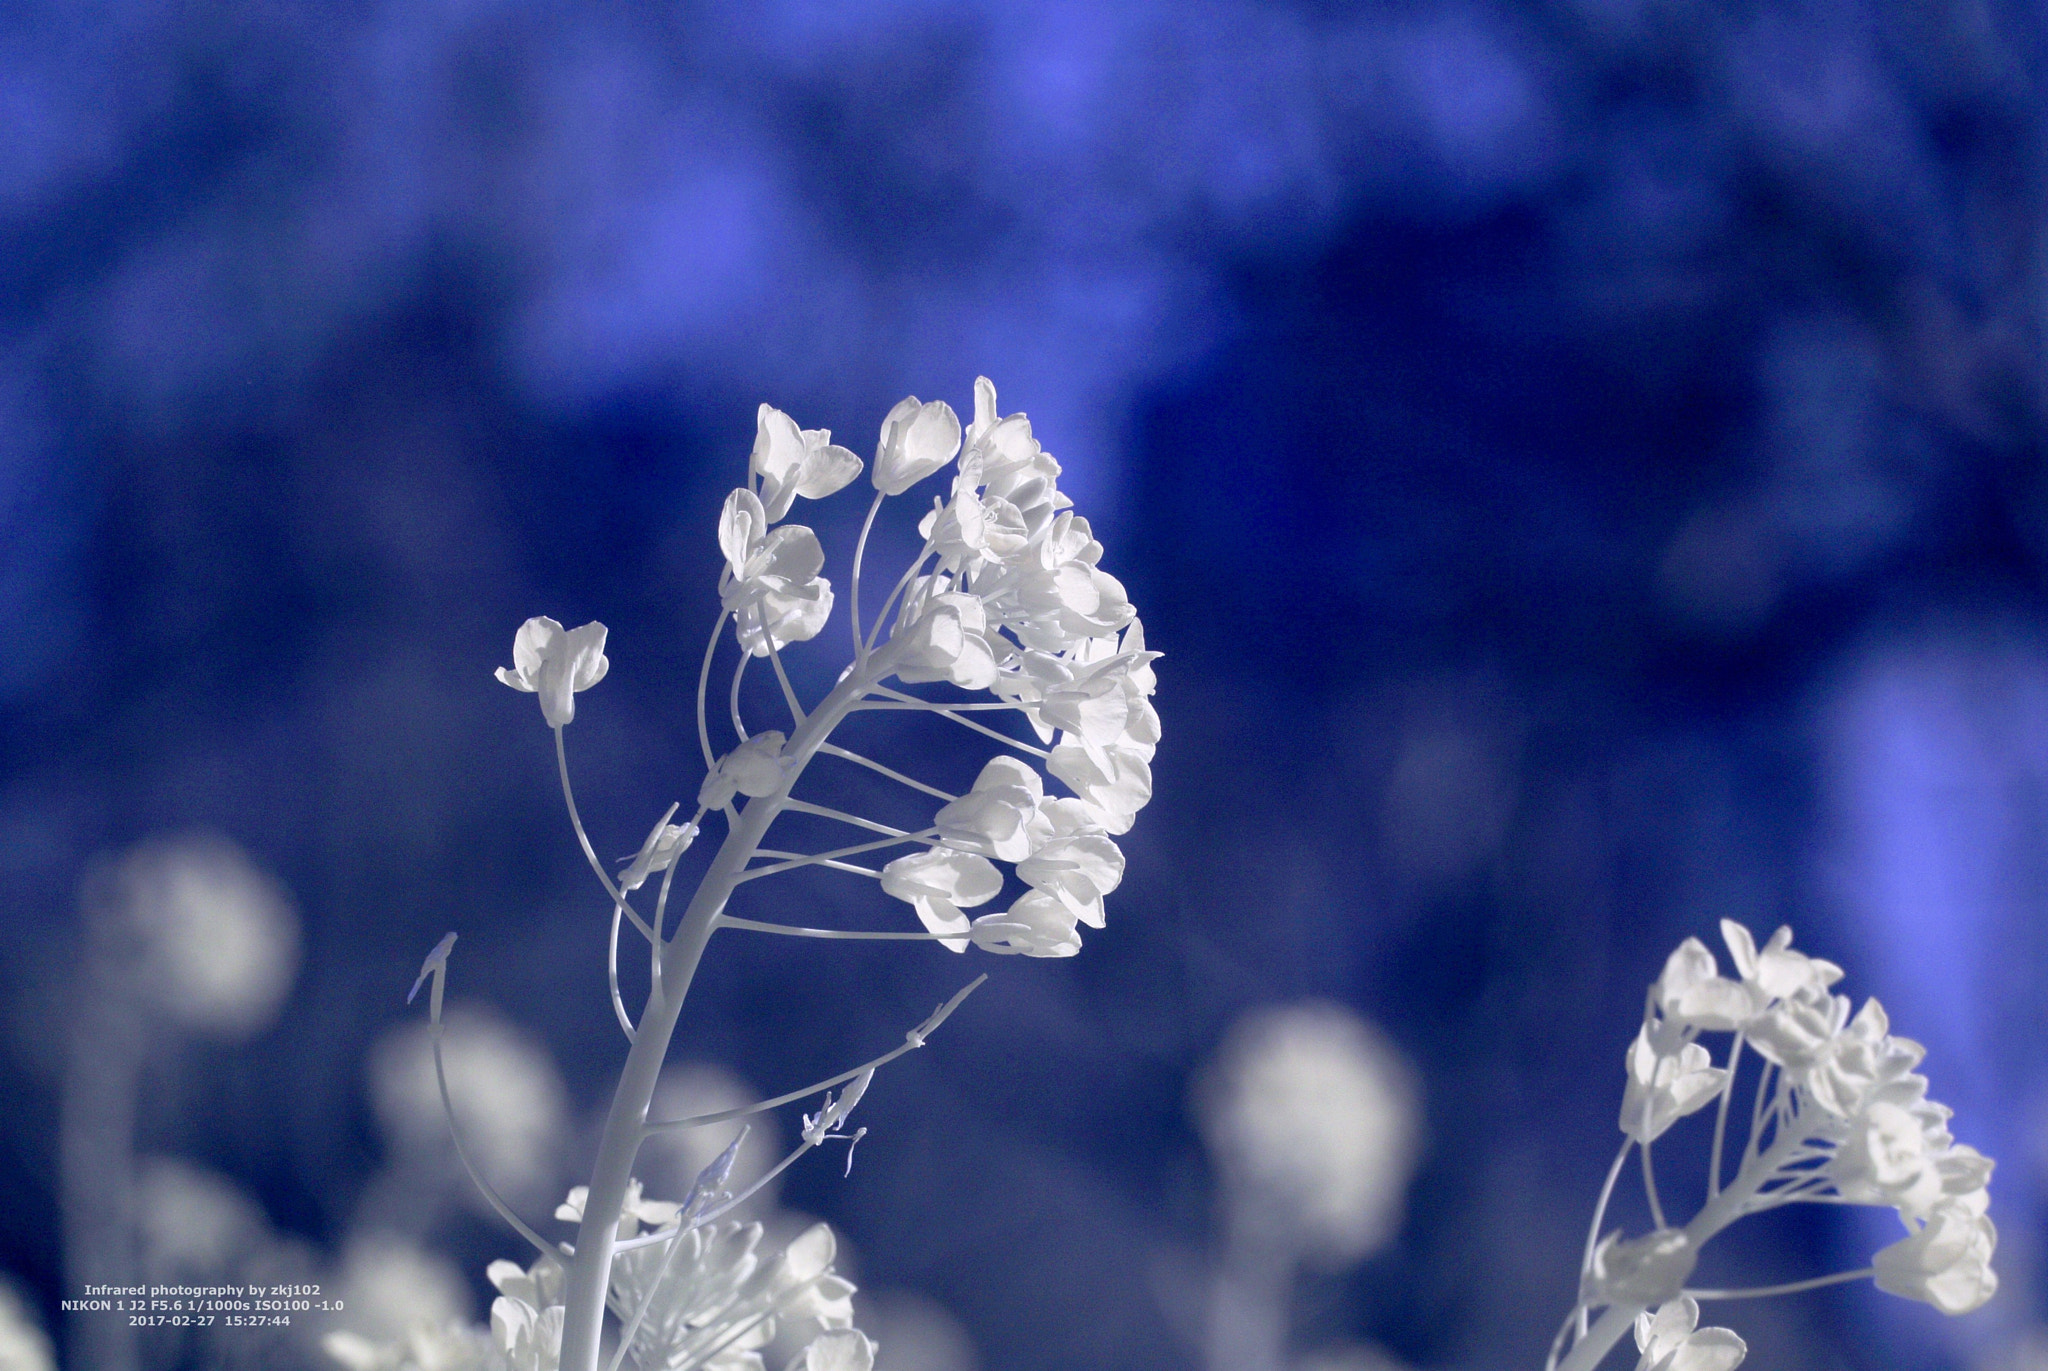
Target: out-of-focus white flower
948, 641
771, 583
510, 1104
23, 1344
1038, 925
938, 883
454, 1346
1641, 1271
528, 1339
755, 768
791, 461
1670, 1340
843, 1349
995, 818
1945, 1263
1664, 1087
917, 439
555, 664
1314, 1118
1078, 870
390, 1286
665, 842
192, 1223
1794, 1033
219, 938
920, 1333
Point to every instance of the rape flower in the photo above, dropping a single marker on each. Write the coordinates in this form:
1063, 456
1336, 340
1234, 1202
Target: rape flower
995, 817
1038, 925
948, 641
1664, 1087
843, 1349
938, 883
1077, 870
917, 439
790, 462
555, 665
1862, 1061
1669, 1340
1777, 971
772, 586
1693, 993
1946, 1262
1116, 781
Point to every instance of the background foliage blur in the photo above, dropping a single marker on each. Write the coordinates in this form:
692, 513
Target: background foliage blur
1582, 459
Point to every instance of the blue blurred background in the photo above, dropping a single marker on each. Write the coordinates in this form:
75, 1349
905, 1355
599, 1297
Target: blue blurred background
1581, 458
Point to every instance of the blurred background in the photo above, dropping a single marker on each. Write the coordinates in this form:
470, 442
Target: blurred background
1581, 458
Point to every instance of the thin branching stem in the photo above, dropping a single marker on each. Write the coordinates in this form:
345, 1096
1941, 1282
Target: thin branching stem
612, 973
1650, 1189
833, 750
1791, 1288
796, 710
845, 935
860, 551
434, 1031
855, 820
943, 712
733, 704
797, 859
914, 1039
1593, 1229
902, 584
619, 901
703, 682
1721, 1119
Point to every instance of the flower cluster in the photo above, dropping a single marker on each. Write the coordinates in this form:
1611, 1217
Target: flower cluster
1007, 596
1840, 1116
1852, 1093
711, 1301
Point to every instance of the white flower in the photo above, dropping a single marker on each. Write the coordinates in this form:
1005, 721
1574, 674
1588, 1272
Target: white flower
1016, 469
843, 1349
771, 585
1038, 925
1115, 780
1886, 1159
1946, 1263
792, 462
938, 883
555, 665
1669, 1342
1777, 971
1795, 1033
996, 817
948, 641
1862, 1062
1692, 992
1664, 1087
452, 1346
917, 439
755, 768
1078, 870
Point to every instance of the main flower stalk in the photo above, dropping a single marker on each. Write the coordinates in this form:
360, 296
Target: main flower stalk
626, 1122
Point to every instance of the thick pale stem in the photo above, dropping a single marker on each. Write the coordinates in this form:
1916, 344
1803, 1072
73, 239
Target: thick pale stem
625, 1122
